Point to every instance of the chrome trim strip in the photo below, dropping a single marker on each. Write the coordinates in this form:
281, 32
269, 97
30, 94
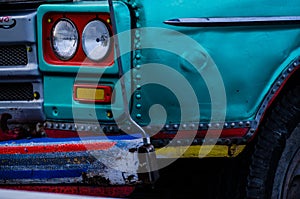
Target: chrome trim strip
234, 21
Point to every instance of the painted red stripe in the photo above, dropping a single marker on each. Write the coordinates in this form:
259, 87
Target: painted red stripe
56, 148
112, 191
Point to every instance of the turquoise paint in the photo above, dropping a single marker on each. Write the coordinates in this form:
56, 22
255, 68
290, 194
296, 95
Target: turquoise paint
58, 84
59, 103
248, 58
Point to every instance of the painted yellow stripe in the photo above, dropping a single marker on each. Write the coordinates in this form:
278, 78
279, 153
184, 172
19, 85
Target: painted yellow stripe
90, 93
199, 151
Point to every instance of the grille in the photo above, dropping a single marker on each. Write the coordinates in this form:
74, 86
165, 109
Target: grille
16, 92
13, 55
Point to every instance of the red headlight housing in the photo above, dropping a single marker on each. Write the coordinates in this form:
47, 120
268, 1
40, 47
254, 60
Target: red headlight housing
78, 22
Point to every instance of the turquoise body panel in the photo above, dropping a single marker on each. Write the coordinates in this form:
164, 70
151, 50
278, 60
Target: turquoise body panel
59, 80
248, 58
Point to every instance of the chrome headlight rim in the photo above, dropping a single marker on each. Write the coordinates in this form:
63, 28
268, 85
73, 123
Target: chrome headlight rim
106, 48
77, 38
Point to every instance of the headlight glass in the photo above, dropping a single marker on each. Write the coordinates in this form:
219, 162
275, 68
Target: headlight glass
64, 39
95, 40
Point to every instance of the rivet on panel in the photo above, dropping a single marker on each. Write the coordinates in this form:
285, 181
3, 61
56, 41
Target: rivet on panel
137, 14
278, 83
138, 106
248, 123
138, 96
138, 76
137, 34
252, 130
138, 56
69, 126
192, 126
138, 116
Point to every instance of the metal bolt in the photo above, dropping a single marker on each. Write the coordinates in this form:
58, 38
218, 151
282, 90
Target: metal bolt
138, 96
69, 126
137, 34
247, 123
138, 106
138, 76
137, 14
278, 83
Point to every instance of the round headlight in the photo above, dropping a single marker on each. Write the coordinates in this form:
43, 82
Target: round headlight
64, 39
95, 40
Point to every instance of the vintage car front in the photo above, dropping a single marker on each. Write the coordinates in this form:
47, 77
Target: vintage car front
90, 88
59, 101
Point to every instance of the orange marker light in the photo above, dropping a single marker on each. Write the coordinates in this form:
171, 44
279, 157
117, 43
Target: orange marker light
92, 93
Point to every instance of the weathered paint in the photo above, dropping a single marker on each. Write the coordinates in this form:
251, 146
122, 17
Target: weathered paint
247, 58
86, 161
75, 191
197, 151
59, 103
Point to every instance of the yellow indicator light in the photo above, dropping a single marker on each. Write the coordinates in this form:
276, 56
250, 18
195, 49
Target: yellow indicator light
92, 94
109, 114
49, 20
108, 20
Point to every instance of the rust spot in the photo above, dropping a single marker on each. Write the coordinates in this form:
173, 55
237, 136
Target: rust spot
95, 180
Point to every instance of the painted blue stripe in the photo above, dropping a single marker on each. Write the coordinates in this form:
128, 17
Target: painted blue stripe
48, 174
76, 139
